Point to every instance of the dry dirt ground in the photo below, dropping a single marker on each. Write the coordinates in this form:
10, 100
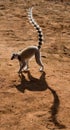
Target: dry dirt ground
35, 100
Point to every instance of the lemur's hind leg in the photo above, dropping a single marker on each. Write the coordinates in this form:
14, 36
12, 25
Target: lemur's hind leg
38, 60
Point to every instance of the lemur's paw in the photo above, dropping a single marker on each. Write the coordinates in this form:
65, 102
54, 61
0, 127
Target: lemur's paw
26, 70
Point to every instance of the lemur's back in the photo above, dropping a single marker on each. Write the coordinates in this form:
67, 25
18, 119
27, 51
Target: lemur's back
29, 52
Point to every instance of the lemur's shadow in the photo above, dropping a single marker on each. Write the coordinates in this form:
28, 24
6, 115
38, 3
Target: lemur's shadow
34, 84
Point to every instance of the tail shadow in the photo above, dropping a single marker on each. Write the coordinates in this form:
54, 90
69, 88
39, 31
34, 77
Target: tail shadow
34, 84
54, 109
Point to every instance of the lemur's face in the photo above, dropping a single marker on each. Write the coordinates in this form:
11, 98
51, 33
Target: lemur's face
14, 56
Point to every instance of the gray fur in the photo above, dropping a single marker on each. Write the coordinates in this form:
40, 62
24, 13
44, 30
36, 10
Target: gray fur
25, 55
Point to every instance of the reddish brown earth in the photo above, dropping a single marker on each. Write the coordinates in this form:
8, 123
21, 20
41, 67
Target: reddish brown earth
35, 100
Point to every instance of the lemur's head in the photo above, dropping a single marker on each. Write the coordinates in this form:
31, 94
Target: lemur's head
14, 56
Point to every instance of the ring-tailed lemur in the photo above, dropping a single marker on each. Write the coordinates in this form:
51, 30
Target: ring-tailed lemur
27, 53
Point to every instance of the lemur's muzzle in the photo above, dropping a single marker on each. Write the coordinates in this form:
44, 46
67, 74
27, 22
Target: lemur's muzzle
12, 57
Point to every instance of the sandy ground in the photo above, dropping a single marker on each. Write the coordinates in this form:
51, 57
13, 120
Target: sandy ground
35, 100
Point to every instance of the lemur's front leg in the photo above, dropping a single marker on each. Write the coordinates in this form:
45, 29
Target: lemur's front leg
22, 65
27, 66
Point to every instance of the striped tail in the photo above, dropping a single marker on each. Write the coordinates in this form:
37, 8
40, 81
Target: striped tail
37, 27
